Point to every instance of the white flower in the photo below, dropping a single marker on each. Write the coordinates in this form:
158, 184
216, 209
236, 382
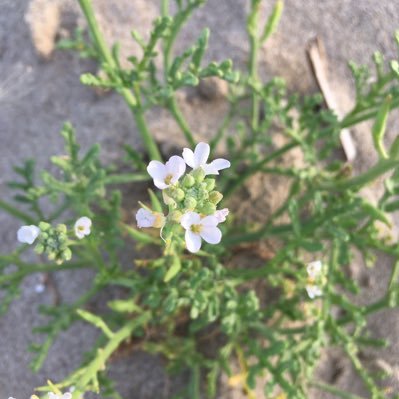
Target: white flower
82, 227
221, 215
146, 218
313, 291
314, 269
197, 229
315, 274
168, 174
199, 157
28, 234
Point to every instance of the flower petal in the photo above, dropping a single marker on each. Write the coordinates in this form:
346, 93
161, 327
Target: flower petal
313, 291
314, 268
145, 218
176, 167
209, 221
156, 170
216, 165
188, 157
28, 234
193, 241
83, 221
221, 163
201, 154
212, 235
221, 215
160, 183
190, 218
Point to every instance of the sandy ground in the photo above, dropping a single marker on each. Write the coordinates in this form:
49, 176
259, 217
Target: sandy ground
39, 89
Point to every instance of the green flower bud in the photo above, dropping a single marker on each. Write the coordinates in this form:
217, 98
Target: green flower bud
198, 175
210, 184
61, 228
66, 254
215, 197
179, 195
175, 216
168, 200
175, 193
39, 249
190, 203
202, 194
208, 209
43, 226
188, 181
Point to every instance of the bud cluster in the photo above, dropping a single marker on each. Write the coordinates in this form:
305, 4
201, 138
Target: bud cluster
191, 198
55, 242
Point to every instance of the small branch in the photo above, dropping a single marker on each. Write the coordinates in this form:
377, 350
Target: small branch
319, 63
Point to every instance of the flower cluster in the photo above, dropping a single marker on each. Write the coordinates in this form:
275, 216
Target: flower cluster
191, 198
316, 279
54, 241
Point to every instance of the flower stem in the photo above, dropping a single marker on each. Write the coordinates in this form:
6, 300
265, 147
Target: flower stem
176, 112
253, 80
383, 166
129, 98
172, 105
255, 168
98, 364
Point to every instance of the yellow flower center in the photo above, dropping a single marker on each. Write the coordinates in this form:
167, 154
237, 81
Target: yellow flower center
81, 228
196, 228
311, 280
168, 179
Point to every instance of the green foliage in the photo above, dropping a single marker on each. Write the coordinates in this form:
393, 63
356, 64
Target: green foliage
176, 304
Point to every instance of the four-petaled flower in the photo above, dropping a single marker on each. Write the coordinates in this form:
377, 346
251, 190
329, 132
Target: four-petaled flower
82, 227
314, 270
28, 234
199, 157
146, 218
198, 228
168, 174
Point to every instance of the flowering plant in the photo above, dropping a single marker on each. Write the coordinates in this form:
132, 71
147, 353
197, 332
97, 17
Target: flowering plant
268, 295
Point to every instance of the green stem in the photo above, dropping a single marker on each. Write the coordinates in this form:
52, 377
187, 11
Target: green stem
105, 353
17, 213
172, 105
150, 144
383, 166
255, 168
370, 112
177, 114
335, 391
394, 276
30, 268
254, 79
130, 100
225, 123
